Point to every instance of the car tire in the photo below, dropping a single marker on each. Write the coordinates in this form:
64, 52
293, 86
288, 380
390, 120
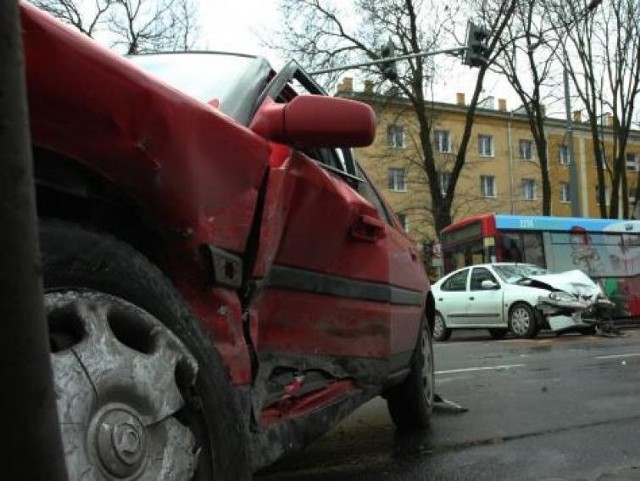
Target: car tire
588, 331
441, 332
522, 321
109, 311
411, 402
498, 333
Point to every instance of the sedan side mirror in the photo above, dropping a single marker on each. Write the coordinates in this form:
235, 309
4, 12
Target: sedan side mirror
316, 121
489, 285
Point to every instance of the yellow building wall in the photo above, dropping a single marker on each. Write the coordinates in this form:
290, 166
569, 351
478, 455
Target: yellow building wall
506, 165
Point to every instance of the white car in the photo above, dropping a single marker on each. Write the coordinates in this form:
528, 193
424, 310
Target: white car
521, 298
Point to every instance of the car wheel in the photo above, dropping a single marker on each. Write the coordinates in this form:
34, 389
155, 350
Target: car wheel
522, 321
498, 333
140, 392
440, 330
411, 402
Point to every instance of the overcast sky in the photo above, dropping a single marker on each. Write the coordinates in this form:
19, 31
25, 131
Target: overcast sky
236, 26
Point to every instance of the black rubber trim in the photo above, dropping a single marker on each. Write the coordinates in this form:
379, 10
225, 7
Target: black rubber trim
318, 283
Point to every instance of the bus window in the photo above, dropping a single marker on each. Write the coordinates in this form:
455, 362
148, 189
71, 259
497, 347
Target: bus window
533, 248
523, 247
511, 247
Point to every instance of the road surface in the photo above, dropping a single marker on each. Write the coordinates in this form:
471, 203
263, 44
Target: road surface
552, 408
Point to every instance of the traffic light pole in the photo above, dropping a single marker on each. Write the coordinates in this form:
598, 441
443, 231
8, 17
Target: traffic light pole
456, 51
32, 446
574, 196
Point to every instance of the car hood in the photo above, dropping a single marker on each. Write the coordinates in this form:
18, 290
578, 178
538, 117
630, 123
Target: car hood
573, 282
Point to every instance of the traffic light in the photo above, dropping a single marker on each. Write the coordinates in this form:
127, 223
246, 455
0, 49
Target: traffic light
388, 50
477, 51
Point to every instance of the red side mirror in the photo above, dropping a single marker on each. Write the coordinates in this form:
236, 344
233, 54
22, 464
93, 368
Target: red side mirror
315, 121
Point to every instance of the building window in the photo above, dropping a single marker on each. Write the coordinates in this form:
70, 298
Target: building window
404, 222
563, 155
488, 185
395, 136
397, 180
565, 192
529, 189
443, 141
526, 149
633, 192
485, 145
443, 181
632, 161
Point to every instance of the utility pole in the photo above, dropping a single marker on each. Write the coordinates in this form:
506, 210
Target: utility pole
32, 448
574, 184
573, 168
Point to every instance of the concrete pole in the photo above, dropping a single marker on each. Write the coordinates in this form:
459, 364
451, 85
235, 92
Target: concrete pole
32, 449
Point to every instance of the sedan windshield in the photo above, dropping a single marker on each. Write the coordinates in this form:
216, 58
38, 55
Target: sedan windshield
512, 273
232, 81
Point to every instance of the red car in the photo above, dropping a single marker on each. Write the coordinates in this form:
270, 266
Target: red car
223, 283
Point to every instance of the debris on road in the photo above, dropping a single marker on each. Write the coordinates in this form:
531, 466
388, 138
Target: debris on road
445, 406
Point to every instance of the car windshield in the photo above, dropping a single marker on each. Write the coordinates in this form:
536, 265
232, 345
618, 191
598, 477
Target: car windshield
231, 82
512, 273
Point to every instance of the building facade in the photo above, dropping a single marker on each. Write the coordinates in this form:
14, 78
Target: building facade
501, 172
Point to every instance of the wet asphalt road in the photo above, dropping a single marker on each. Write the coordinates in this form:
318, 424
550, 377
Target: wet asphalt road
553, 408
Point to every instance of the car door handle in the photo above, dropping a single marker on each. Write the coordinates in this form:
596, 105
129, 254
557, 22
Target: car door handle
439, 299
367, 228
471, 298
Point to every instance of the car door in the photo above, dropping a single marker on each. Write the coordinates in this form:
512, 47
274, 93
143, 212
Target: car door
484, 304
325, 313
453, 298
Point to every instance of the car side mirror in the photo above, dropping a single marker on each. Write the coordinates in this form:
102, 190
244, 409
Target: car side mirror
489, 285
316, 121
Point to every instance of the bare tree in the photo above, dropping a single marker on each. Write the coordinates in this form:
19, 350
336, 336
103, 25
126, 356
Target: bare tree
603, 51
86, 16
132, 26
526, 59
321, 35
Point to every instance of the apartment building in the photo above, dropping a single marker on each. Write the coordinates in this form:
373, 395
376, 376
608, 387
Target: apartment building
501, 172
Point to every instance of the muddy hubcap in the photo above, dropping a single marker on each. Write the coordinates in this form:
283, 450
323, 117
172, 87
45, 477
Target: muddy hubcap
120, 441
117, 370
427, 369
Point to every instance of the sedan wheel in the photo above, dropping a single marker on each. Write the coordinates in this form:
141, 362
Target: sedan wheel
411, 402
522, 321
440, 330
117, 373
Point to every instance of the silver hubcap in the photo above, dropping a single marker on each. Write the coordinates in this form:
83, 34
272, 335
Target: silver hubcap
427, 369
438, 326
520, 321
116, 371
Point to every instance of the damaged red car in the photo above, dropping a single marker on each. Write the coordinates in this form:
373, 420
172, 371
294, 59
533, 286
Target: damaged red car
222, 282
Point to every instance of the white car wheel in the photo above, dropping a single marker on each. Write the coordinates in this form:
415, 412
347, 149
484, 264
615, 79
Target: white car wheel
522, 321
440, 330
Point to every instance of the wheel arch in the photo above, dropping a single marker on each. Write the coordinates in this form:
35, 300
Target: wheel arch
69, 191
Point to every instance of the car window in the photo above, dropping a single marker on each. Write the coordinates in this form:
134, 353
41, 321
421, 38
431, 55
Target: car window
478, 275
366, 190
457, 282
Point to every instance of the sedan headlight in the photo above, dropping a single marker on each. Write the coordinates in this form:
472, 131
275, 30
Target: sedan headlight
562, 296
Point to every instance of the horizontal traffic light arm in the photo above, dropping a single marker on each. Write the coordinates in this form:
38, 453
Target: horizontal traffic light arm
456, 51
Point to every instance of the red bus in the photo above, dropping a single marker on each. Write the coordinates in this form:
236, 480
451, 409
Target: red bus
607, 250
